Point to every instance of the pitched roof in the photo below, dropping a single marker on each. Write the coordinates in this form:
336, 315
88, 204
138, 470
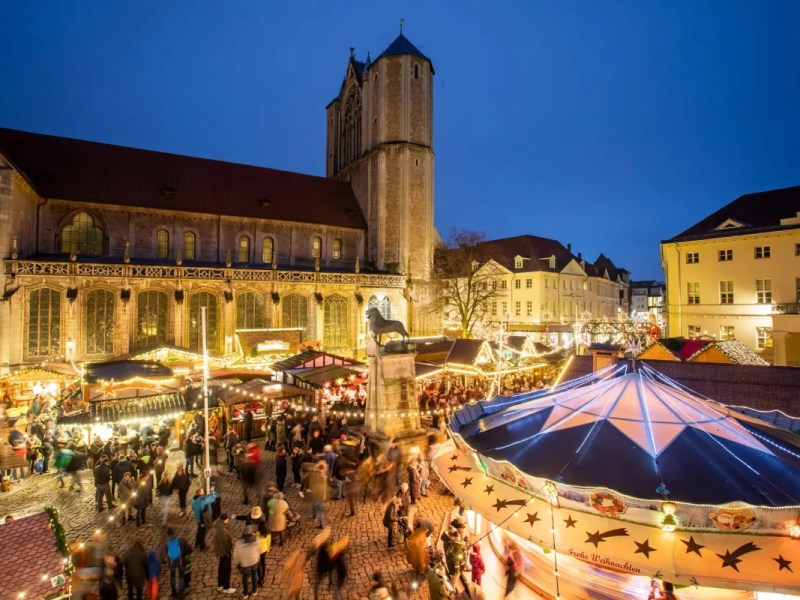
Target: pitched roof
603, 263
753, 212
402, 45
537, 249
70, 169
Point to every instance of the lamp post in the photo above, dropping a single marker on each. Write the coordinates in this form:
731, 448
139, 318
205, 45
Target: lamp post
207, 470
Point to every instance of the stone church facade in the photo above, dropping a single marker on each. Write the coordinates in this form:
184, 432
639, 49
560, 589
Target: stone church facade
107, 250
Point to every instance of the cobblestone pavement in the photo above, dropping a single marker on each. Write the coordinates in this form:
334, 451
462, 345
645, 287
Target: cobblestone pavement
368, 550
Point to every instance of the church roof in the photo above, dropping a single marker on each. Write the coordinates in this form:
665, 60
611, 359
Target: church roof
69, 169
761, 211
402, 45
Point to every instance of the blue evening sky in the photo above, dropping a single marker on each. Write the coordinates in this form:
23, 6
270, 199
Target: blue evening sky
608, 124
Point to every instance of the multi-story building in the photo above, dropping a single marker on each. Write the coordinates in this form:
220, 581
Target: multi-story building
540, 282
109, 249
647, 297
736, 274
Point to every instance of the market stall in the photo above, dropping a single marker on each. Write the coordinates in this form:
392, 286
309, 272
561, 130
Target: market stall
33, 389
620, 477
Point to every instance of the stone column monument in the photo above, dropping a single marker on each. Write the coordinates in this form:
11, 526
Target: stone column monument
392, 408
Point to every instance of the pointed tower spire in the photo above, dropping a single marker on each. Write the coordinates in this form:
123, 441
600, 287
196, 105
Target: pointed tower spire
402, 21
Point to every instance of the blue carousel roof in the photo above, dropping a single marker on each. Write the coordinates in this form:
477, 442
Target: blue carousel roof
634, 432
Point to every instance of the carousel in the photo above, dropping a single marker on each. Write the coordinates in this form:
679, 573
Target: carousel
622, 477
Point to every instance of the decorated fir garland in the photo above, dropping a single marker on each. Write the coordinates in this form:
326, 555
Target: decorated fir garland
61, 536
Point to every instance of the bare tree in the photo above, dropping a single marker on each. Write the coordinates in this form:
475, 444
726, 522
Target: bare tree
467, 278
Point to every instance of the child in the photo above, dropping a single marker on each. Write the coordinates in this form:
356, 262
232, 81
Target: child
476, 561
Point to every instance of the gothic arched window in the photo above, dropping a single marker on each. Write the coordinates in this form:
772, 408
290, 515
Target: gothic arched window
189, 246
267, 250
316, 247
250, 311
196, 302
382, 304
336, 332
151, 319
44, 322
295, 311
337, 249
350, 143
162, 243
243, 254
100, 322
82, 236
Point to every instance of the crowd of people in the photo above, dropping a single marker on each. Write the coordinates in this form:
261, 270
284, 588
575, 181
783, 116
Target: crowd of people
448, 394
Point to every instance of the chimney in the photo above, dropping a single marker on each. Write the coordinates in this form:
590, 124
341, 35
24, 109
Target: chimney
569, 247
579, 256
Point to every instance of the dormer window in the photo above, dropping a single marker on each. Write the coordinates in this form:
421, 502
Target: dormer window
552, 260
519, 262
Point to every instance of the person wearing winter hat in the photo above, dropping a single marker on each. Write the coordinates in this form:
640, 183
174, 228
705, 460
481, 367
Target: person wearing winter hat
477, 564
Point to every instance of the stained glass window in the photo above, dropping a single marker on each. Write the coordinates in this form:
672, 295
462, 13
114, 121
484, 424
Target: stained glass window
337, 323
82, 236
196, 302
44, 322
295, 311
151, 319
250, 311
100, 322
382, 304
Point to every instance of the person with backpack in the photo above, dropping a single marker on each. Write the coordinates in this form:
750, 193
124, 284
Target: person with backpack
201, 508
176, 550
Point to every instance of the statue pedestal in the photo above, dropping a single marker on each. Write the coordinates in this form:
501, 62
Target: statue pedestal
392, 407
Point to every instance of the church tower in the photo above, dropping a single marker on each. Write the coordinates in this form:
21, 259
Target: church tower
380, 139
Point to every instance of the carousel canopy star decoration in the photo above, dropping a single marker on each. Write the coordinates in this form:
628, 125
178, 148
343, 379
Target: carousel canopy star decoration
467, 482
455, 468
500, 504
732, 560
532, 518
570, 521
644, 548
489, 490
454, 457
692, 546
783, 563
597, 537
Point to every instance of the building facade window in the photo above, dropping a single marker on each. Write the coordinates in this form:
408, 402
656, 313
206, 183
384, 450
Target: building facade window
763, 338
250, 311
764, 291
725, 255
797, 249
692, 258
693, 331
294, 310
726, 332
529, 283
504, 306
82, 236
189, 246
100, 322
529, 308
726, 292
162, 244
336, 251
197, 301
517, 284
243, 253
151, 319
546, 283
44, 322
503, 284
383, 305
763, 251
267, 250
316, 247
493, 307
797, 289
693, 292
517, 308
336, 329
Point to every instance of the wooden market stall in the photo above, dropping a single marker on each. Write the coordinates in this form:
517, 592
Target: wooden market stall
45, 381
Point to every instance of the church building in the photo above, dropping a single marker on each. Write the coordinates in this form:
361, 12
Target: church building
107, 249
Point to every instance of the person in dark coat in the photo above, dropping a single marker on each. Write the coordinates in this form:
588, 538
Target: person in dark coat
248, 425
181, 482
102, 484
281, 465
297, 461
136, 563
222, 542
124, 465
390, 519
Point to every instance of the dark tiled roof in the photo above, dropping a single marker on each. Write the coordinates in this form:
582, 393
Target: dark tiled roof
28, 548
125, 369
464, 352
603, 263
759, 211
537, 249
402, 45
69, 169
